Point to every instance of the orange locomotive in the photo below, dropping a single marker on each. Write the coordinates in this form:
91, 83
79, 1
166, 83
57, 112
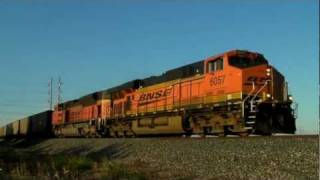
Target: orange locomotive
236, 92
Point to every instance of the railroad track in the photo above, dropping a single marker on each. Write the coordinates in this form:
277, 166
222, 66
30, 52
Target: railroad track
196, 136
277, 135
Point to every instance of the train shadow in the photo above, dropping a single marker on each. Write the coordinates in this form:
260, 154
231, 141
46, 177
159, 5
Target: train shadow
110, 152
113, 151
34, 148
21, 143
117, 150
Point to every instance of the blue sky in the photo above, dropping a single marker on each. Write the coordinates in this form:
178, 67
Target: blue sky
99, 44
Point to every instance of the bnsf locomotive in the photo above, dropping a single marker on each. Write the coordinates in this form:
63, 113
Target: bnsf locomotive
236, 92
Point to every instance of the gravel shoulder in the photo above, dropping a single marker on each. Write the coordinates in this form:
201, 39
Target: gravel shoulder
199, 158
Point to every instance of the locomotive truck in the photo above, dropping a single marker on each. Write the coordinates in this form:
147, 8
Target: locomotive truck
236, 92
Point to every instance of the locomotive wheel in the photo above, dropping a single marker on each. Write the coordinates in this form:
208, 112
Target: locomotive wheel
98, 136
133, 134
290, 123
87, 135
244, 134
187, 126
264, 125
188, 133
58, 133
280, 120
81, 132
221, 134
116, 134
124, 134
106, 132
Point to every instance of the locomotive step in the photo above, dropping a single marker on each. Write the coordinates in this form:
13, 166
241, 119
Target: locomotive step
250, 122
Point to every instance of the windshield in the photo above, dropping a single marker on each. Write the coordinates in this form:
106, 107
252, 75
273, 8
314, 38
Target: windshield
245, 62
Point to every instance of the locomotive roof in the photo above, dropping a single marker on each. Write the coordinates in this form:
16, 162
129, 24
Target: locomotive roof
177, 73
173, 74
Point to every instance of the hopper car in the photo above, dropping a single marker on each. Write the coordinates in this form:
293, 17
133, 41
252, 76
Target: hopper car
37, 125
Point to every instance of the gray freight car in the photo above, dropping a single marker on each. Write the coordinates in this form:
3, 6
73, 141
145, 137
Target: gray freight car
16, 128
25, 127
41, 125
37, 125
2, 132
9, 130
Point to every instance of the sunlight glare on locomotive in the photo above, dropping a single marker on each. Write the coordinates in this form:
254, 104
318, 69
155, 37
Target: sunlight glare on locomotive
237, 92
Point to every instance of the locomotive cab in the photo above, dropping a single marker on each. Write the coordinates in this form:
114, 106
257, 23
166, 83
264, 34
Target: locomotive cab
265, 103
236, 72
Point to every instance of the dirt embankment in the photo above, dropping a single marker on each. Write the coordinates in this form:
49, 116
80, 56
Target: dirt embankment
186, 158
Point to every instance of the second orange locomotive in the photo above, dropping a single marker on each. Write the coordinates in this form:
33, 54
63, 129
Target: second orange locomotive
236, 92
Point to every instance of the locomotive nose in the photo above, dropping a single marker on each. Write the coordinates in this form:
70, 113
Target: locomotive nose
257, 80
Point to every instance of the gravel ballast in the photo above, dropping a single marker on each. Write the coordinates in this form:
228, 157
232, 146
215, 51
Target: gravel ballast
195, 158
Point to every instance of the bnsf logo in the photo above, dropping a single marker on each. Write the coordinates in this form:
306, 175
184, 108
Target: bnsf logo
154, 95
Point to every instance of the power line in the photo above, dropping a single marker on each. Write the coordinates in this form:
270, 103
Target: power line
21, 106
59, 90
50, 93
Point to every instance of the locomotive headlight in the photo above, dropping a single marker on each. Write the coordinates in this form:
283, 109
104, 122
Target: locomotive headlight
268, 71
268, 95
290, 98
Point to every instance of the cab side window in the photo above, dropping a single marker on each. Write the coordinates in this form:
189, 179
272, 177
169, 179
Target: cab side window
215, 65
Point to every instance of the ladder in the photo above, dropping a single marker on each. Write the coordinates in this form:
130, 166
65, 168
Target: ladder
252, 116
250, 121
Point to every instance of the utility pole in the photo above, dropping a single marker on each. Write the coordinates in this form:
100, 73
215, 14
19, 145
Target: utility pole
60, 90
50, 93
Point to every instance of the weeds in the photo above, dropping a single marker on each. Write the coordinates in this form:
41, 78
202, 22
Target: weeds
29, 166
119, 171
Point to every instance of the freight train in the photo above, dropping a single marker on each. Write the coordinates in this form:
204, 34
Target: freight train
236, 92
37, 125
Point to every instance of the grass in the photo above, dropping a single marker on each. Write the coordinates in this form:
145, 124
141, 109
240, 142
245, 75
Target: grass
258, 158
119, 171
26, 165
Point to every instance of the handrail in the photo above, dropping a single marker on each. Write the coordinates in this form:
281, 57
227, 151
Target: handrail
265, 84
245, 99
